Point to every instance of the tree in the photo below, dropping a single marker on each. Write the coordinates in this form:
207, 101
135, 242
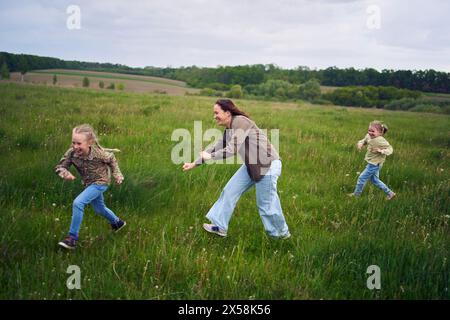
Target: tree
101, 84
280, 93
310, 90
210, 92
4, 73
274, 88
120, 86
85, 82
236, 92
54, 79
23, 66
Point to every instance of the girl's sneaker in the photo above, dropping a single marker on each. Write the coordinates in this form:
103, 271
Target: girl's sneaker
391, 196
118, 225
68, 243
353, 195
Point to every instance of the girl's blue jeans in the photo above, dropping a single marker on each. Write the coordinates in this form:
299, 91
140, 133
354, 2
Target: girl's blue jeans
371, 172
93, 194
267, 200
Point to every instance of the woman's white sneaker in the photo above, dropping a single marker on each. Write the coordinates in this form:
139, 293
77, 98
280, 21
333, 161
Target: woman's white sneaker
214, 229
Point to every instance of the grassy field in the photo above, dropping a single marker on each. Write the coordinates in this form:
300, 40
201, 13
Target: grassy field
164, 253
131, 83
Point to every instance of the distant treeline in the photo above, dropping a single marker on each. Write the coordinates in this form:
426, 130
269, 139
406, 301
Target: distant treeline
26, 62
225, 77
353, 96
428, 80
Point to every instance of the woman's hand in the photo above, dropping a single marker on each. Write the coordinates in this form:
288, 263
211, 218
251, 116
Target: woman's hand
205, 155
188, 166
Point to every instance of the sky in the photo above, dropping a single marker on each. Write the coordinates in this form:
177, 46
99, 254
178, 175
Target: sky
380, 34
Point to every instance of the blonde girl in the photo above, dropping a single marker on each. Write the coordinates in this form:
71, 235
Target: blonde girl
377, 150
95, 164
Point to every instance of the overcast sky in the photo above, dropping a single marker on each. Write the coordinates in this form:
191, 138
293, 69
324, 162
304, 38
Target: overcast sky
392, 34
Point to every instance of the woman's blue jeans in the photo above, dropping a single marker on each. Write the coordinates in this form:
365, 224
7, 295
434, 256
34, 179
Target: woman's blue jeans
267, 200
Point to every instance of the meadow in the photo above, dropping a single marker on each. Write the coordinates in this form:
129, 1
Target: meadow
163, 253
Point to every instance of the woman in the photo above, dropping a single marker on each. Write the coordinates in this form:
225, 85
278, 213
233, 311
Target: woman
262, 168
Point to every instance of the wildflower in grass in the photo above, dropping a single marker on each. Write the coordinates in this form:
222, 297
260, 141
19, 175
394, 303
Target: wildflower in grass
336, 225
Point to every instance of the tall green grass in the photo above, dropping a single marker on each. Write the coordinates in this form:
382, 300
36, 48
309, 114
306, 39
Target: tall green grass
163, 253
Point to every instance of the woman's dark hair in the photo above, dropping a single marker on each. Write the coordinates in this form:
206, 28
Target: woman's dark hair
228, 105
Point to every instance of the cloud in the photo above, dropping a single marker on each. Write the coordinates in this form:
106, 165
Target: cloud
218, 32
414, 25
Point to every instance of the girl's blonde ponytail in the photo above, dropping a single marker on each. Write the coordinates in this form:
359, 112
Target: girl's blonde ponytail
380, 126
